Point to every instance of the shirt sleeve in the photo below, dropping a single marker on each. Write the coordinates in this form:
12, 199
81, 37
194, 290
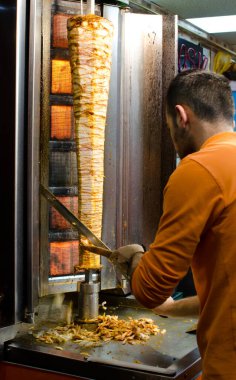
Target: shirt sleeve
192, 201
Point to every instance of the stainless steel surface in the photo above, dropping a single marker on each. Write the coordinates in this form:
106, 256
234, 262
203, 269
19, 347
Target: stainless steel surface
112, 153
34, 78
133, 180
44, 139
7, 333
141, 124
88, 298
90, 7
71, 218
170, 55
172, 345
163, 353
20, 114
160, 350
66, 283
112, 135
143, 367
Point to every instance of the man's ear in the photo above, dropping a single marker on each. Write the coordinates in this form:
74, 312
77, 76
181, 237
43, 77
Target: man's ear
182, 116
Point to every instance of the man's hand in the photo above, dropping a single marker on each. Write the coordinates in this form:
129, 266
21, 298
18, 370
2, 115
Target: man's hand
165, 308
126, 258
185, 307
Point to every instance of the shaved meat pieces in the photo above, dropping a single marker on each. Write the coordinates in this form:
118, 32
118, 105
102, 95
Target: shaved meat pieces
108, 328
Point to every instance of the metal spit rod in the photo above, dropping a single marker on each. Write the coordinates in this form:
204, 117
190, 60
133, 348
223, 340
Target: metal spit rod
90, 7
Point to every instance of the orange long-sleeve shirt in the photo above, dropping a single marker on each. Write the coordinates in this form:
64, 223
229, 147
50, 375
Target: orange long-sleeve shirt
198, 229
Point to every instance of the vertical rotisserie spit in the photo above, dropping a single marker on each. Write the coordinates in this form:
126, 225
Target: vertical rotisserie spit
90, 47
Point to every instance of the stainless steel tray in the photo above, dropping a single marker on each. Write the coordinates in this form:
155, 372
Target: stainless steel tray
171, 355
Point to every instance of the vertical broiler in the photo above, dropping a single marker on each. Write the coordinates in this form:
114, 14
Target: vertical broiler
90, 47
98, 156
90, 39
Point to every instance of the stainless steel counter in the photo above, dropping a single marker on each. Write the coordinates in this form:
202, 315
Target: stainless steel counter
171, 355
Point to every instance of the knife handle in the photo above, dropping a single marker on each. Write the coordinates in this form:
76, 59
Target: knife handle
98, 250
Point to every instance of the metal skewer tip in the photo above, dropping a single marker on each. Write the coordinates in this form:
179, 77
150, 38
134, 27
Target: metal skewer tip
90, 7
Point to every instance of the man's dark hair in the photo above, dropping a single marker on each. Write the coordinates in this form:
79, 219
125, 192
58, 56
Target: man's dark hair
208, 94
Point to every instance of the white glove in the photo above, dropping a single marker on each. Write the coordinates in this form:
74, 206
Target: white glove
126, 258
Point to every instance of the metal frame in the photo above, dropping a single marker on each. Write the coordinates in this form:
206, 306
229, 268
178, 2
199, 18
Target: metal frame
34, 76
135, 177
133, 184
48, 6
170, 45
141, 121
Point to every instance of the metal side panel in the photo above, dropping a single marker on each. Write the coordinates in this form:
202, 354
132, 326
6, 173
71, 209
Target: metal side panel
20, 156
133, 133
141, 120
33, 157
112, 151
139, 155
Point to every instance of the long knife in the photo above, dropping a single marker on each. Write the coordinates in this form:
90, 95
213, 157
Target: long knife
98, 250
75, 222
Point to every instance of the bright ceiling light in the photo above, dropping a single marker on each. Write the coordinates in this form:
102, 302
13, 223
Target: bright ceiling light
220, 24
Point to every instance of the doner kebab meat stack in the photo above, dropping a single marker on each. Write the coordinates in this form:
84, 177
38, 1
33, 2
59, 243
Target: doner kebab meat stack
90, 47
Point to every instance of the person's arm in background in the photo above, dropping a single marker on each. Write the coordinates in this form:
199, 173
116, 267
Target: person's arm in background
185, 307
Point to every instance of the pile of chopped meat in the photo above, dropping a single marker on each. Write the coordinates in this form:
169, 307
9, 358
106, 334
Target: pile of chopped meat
108, 327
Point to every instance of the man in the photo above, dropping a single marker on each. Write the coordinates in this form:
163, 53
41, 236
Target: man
198, 225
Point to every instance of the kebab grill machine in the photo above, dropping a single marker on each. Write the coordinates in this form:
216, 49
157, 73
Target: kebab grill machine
88, 82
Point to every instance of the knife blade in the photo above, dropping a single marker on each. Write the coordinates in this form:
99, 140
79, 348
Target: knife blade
72, 219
